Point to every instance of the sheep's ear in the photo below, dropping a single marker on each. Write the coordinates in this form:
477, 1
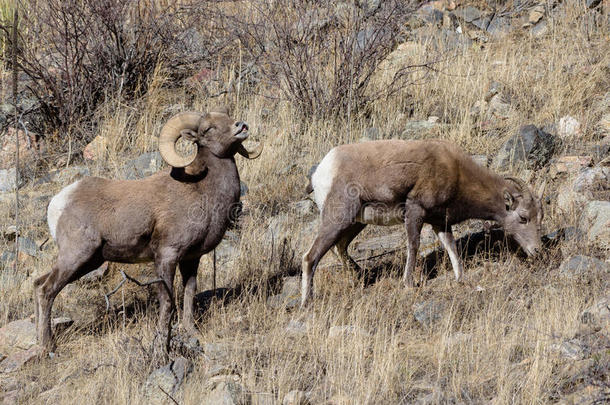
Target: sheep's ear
509, 201
189, 135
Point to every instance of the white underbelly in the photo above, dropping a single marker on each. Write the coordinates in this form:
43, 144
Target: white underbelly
381, 214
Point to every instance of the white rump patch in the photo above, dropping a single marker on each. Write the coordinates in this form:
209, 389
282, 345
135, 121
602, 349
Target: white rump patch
322, 179
57, 205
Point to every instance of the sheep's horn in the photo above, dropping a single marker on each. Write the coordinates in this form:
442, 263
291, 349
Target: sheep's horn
250, 153
523, 188
170, 134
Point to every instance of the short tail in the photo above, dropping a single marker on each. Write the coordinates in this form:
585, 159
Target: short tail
309, 187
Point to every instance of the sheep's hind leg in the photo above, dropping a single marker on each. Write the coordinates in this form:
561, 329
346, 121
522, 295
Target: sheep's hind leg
188, 269
414, 220
165, 266
68, 268
336, 218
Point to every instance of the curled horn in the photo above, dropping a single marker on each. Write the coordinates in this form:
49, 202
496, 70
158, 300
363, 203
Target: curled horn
170, 134
521, 186
250, 153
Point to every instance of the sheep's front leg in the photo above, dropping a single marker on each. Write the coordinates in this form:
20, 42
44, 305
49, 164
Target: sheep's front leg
414, 220
188, 269
448, 242
165, 266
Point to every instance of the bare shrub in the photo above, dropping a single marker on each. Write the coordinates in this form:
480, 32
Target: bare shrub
322, 55
79, 53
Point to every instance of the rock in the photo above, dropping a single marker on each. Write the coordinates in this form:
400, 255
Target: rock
536, 14
428, 312
571, 349
7, 180
593, 3
591, 179
143, 166
499, 26
582, 265
30, 148
226, 391
296, 397
10, 397
499, 106
430, 14
568, 127
604, 124
598, 313
468, 13
347, 331
297, 328
28, 246
405, 54
20, 358
569, 164
168, 378
263, 398
303, 208
17, 335
418, 129
96, 149
371, 134
216, 352
494, 89
70, 174
596, 220
530, 146
540, 29
290, 297
95, 275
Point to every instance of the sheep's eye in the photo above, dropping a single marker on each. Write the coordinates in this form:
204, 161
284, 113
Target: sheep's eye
522, 220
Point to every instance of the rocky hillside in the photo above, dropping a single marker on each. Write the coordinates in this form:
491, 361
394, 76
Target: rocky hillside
523, 86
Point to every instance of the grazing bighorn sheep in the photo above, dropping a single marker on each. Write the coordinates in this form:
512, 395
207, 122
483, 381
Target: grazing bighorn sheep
172, 217
390, 182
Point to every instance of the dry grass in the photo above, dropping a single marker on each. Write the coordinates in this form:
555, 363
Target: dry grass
509, 323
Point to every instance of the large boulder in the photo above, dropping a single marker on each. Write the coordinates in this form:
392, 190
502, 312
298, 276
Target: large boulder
142, 166
596, 220
531, 147
167, 381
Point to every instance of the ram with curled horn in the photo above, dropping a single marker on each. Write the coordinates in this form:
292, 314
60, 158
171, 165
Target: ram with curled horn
171, 218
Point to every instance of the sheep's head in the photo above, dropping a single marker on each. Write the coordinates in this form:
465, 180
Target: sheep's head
523, 215
214, 130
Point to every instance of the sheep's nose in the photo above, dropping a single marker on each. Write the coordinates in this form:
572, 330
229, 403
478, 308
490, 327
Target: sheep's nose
243, 125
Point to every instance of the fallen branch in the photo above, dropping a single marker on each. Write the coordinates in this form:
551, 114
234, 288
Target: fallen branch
127, 277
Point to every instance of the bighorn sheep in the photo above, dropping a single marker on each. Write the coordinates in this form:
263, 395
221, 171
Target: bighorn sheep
390, 182
172, 217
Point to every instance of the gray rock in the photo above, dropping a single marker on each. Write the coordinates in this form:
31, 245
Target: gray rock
428, 312
494, 88
303, 208
598, 313
7, 180
290, 297
296, 397
499, 106
482, 23
142, 166
499, 26
371, 134
369, 6
596, 220
581, 265
540, 29
28, 246
571, 349
592, 179
168, 378
530, 146
429, 14
217, 352
226, 390
468, 13
20, 358
593, 3
95, 275
417, 129
243, 189
69, 175
17, 335
297, 328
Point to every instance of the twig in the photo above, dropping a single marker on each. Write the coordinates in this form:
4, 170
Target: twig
214, 272
127, 277
168, 395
